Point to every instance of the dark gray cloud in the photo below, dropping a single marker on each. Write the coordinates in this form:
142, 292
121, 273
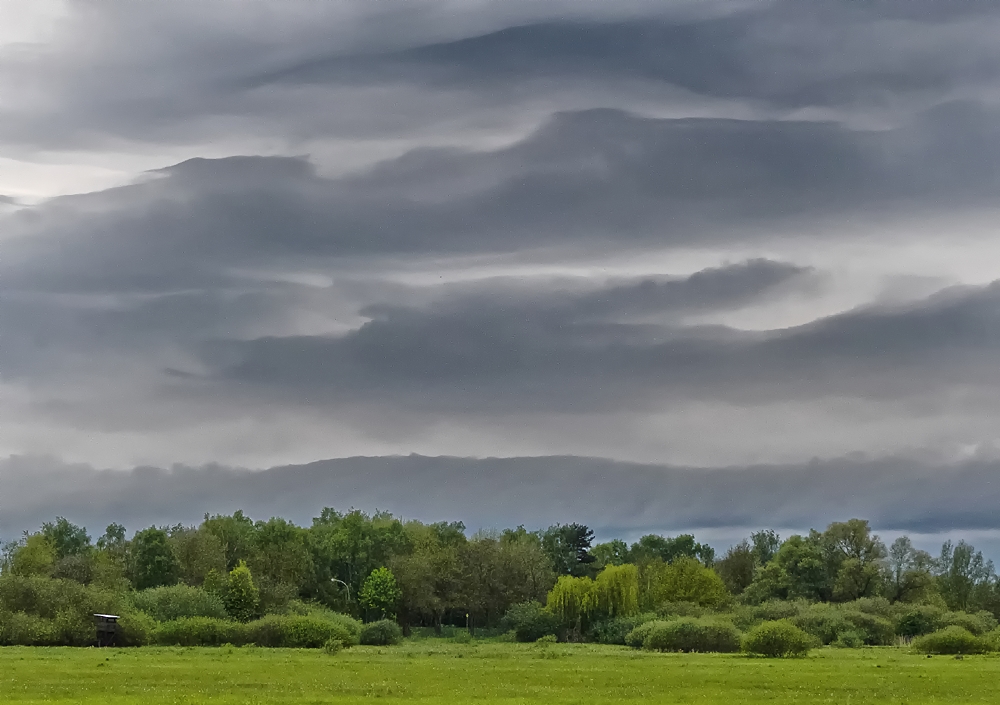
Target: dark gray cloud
471, 229
599, 179
488, 355
615, 498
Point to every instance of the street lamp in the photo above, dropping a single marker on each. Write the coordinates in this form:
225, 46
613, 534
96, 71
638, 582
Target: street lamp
335, 580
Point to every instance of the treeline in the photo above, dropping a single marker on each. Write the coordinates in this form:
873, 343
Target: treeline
530, 583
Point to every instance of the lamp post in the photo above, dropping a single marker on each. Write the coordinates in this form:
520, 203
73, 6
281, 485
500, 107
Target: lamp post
336, 580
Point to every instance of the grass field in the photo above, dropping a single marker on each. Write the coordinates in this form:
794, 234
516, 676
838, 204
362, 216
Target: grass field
441, 672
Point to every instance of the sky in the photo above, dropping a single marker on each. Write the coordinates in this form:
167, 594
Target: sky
652, 266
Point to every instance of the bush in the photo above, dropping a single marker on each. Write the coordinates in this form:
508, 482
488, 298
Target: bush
530, 621
546, 640
874, 630
171, 602
778, 639
680, 609
950, 640
691, 634
201, 631
822, 621
333, 646
22, 629
136, 628
849, 640
918, 620
384, 632
614, 631
637, 637
299, 632
462, 637
978, 624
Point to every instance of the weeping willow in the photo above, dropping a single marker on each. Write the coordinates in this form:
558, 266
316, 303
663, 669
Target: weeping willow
572, 599
617, 590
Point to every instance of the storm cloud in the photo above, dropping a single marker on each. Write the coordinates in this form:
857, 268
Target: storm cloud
686, 245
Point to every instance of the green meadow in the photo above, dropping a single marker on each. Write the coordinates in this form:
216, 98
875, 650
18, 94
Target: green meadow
438, 671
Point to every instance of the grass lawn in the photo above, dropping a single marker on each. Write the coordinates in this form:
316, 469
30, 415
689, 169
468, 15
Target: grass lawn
431, 671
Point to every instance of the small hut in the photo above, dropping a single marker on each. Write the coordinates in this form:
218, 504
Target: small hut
107, 629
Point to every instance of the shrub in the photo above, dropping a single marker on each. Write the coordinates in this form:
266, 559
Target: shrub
873, 630
680, 609
22, 629
530, 621
691, 634
778, 639
384, 632
546, 640
878, 606
201, 631
333, 646
614, 631
822, 621
978, 624
242, 599
462, 637
918, 620
950, 640
136, 628
168, 603
992, 640
849, 640
299, 632
637, 636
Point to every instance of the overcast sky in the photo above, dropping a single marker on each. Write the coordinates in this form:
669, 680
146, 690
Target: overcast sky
690, 237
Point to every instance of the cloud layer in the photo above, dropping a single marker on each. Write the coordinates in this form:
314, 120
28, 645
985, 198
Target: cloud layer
702, 234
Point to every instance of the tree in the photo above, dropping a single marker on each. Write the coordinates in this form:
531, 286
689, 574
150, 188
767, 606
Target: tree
242, 599
280, 552
568, 548
910, 572
613, 552
198, 552
684, 580
616, 590
652, 547
34, 556
738, 567
961, 573
349, 547
765, 545
380, 593
428, 578
855, 559
235, 533
572, 599
153, 561
66, 538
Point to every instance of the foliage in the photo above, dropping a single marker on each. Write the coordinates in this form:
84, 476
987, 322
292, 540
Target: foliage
242, 598
568, 548
175, 601
779, 639
384, 632
380, 592
616, 629
692, 634
918, 620
684, 580
530, 621
978, 624
950, 640
572, 600
35, 556
637, 637
616, 591
333, 646
153, 560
